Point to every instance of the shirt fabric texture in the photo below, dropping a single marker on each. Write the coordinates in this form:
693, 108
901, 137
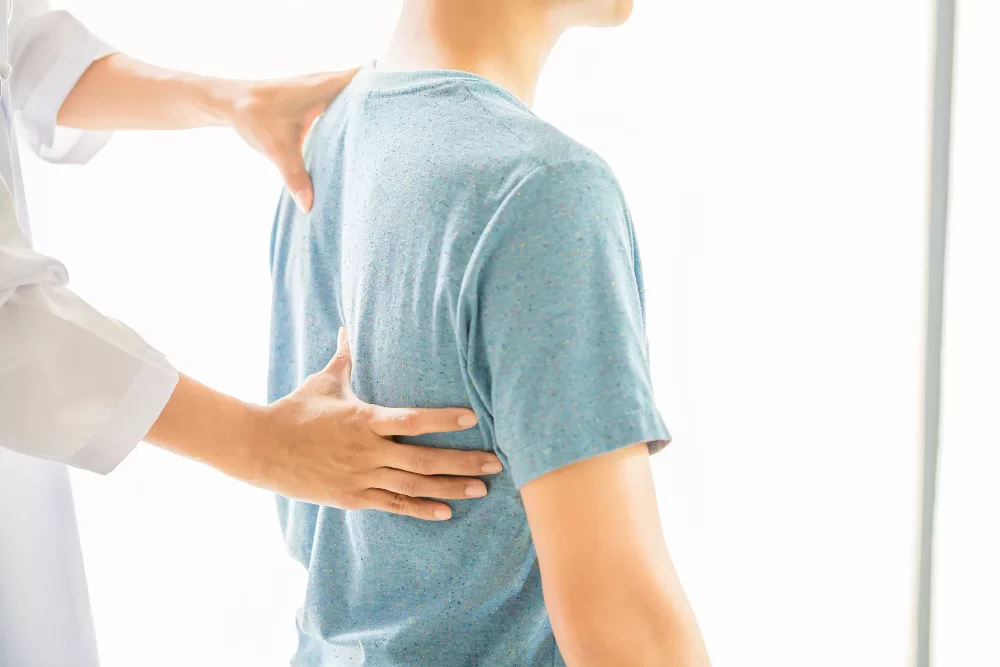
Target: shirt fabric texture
480, 258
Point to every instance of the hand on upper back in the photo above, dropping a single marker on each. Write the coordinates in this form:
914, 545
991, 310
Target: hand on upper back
275, 116
324, 445
610, 587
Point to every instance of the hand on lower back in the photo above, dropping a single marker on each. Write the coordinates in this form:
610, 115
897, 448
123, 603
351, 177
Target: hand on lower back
323, 445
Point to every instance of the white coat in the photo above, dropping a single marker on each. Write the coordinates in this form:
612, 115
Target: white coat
76, 387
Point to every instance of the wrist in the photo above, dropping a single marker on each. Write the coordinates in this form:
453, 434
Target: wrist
254, 443
212, 428
219, 99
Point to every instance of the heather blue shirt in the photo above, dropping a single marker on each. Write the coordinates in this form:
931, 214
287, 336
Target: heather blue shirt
478, 257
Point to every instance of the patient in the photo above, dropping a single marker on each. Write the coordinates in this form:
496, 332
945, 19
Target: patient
478, 257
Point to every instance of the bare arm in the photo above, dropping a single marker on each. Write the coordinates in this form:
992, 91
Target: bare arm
96, 386
323, 445
612, 593
120, 93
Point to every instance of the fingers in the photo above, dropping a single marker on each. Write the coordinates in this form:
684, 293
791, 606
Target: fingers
334, 82
340, 364
293, 171
428, 486
290, 160
387, 501
418, 421
434, 461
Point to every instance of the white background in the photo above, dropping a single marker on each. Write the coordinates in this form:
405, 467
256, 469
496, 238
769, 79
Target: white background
774, 154
967, 566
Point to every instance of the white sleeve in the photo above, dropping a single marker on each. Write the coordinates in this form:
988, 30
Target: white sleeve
49, 52
75, 386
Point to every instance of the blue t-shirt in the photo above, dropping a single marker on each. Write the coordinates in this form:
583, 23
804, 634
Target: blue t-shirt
480, 258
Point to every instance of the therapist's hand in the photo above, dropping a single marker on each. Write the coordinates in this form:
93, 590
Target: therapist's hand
119, 92
323, 445
275, 116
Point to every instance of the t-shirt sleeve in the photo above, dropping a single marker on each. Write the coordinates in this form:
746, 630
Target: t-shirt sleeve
557, 349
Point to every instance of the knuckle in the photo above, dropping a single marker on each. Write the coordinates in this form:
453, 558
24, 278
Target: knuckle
321, 383
410, 487
358, 418
407, 421
356, 450
420, 462
398, 503
467, 465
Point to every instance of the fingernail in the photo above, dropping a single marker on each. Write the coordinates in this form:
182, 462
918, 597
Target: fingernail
475, 490
341, 338
300, 200
442, 513
468, 420
492, 468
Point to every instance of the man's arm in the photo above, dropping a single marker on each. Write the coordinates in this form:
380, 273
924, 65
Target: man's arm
611, 590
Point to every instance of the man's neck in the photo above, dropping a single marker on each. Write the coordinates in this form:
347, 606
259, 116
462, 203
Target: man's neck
506, 41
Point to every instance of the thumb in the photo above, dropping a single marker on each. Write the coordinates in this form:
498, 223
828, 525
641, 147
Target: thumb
293, 171
340, 365
332, 83
290, 161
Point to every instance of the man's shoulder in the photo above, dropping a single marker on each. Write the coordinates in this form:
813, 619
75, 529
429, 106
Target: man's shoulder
494, 129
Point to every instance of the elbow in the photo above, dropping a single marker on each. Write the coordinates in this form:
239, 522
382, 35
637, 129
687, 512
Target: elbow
632, 637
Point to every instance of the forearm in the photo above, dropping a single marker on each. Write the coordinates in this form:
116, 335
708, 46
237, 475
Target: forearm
209, 427
317, 445
638, 629
120, 93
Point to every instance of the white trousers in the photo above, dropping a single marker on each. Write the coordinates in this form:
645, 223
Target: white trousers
45, 618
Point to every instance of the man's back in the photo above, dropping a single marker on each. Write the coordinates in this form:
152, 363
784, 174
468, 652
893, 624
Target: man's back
478, 258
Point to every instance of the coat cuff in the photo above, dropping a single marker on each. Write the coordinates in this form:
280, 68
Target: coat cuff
77, 48
131, 421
